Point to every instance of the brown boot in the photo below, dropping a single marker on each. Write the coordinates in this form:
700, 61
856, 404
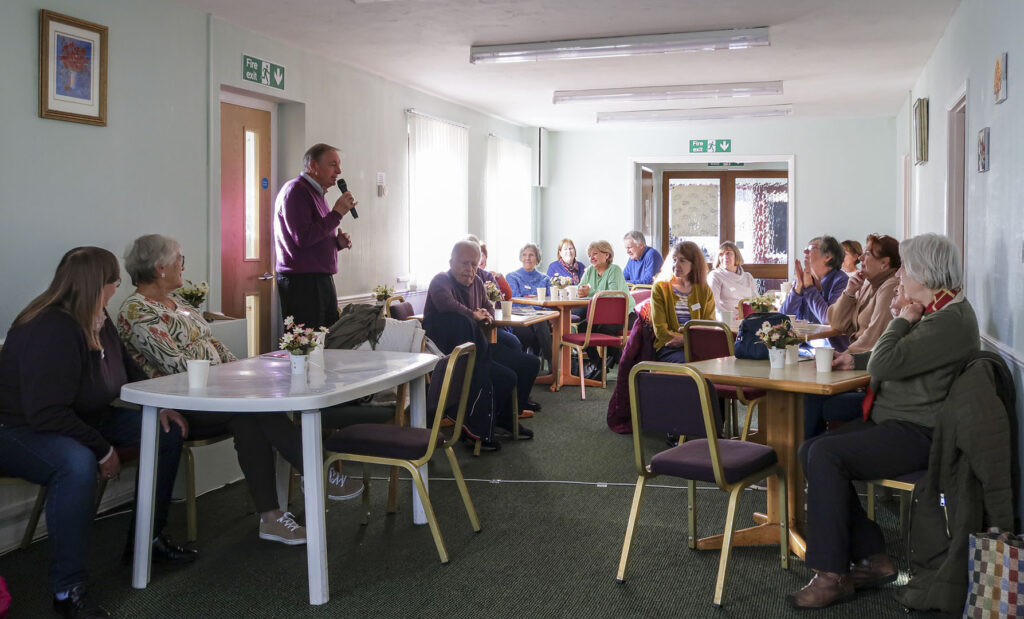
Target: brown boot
824, 589
874, 571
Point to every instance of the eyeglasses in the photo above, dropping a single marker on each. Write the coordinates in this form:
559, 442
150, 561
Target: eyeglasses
183, 261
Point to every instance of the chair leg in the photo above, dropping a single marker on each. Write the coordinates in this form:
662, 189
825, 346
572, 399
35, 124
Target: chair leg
723, 561
33, 519
365, 520
399, 421
904, 515
429, 509
783, 520
691, 513
871, 501
190, 495
604, 367
583, 388
634, 513
460, 481
392, 491
751, 406
515, 413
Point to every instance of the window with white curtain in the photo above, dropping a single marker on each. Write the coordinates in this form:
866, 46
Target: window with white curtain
508, 214
438, 193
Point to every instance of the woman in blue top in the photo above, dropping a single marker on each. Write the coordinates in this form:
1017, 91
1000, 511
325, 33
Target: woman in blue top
567, 265
524, 283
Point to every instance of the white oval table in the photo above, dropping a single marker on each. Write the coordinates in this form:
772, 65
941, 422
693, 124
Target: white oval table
262, 385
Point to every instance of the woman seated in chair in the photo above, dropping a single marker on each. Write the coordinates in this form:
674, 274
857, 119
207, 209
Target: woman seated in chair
862, 311
678, 298
161, 332
912, 367
60, 370
819, 281
728, 281
600, 275
524, 283
567, 265
852, 251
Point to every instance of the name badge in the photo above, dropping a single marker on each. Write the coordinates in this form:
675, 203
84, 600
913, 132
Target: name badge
732, 289
695, 306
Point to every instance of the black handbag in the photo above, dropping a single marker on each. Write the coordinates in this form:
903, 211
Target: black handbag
748, 345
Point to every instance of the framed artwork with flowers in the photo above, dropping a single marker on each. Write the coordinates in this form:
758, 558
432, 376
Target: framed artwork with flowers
72, 69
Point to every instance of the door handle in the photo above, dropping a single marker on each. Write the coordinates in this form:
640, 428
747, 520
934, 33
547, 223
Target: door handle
266, 276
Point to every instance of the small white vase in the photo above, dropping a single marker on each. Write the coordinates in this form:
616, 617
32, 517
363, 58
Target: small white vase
777, 357
299, 363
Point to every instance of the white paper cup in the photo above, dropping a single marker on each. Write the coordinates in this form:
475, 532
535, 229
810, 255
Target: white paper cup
506, 310
787, 287
792, 354
542, 294
726, 316
316, 357
823, 359
198, 372
792, 319
574, 292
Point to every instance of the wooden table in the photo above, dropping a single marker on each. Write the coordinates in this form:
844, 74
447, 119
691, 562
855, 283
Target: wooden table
260, 385
781, 419
517, 320
561, 371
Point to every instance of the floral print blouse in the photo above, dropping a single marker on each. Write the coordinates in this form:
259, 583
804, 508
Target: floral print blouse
161, 339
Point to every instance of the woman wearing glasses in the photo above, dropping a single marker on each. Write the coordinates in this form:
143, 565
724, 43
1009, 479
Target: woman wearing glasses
862, 311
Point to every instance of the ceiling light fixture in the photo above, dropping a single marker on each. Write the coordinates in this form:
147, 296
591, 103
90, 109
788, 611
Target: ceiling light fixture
663, 93
707, 113
607, 47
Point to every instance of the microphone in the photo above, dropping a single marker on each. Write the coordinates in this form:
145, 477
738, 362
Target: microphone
343, 186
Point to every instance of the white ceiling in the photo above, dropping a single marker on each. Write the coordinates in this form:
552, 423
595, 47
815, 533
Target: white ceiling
835, 57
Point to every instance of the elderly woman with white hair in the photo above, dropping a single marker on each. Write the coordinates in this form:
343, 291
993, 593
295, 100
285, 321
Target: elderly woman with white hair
912, 366
161, 331
525, 282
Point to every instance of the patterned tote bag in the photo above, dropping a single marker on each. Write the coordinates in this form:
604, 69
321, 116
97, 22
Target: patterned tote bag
995, 567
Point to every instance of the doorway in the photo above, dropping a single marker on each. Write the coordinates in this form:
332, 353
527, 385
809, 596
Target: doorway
956, 171
247, 280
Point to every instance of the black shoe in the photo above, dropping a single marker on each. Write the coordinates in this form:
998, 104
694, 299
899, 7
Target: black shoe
671, 440
525, 433
79, 606
502, 433
593, 372
164, 551
533, 406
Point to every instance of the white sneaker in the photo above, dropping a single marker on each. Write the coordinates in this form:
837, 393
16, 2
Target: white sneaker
284, 530
342, 487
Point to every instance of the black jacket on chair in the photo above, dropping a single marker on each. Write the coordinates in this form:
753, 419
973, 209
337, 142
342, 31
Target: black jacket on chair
972, 466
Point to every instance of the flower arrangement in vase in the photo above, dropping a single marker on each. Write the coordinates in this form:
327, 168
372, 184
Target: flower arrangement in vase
194, 294
560, 282
763, 303
493, 293
382, 292
777, 338
299, 340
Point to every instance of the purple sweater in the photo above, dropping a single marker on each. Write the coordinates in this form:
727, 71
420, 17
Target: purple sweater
304, 230
448, 295
812, 304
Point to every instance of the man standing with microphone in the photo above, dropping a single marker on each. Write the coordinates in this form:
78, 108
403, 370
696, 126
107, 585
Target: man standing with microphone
308, 239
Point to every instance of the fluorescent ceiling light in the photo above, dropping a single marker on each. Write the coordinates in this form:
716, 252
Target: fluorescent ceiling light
707, 113
740, 38
662, 93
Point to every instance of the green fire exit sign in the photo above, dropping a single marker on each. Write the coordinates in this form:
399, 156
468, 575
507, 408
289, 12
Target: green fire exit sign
263, 72
710, 146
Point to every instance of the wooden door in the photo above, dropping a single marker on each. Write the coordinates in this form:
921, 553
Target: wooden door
247, 282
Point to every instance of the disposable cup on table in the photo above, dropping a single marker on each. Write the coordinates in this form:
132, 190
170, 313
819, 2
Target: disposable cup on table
823, 359
542, 294
787, 287
574, 292
726, 316
198, 372
506, 310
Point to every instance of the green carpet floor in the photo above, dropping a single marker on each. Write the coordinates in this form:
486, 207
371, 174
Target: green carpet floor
553, 510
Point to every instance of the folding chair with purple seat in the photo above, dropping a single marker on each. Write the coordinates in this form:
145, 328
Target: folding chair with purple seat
411, 448
608, 307
710, 339
677, 399
398, 308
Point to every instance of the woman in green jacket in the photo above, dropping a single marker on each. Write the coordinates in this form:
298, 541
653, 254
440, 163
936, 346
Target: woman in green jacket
678, 299
601, 275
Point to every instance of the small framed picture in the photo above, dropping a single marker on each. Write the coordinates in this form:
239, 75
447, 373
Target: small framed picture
72, 69
920, 131
999, 79
983, 150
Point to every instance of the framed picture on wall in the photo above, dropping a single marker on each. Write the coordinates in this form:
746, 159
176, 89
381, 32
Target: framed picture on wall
72, 69
999, 79
920, 131
983, 150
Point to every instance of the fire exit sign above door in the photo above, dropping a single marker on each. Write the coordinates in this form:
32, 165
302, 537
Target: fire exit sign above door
262, 72
711, 146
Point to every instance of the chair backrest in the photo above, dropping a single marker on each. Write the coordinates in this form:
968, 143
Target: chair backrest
449, 390
746, 307
707, 339
640, 294
399, 309
608, 307
675, 399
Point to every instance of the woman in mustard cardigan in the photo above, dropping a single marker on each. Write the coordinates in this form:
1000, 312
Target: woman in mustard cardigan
677, 300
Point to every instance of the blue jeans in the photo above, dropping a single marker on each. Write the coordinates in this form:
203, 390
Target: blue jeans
819, 409
68, 469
